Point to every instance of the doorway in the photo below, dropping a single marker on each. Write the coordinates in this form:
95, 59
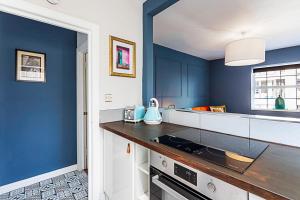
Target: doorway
36, 13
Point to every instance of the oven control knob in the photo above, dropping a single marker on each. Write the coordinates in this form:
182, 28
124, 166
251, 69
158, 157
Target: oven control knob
164, 163
211, 187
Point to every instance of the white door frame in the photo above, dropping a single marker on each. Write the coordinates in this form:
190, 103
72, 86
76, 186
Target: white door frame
45, 15
81, 137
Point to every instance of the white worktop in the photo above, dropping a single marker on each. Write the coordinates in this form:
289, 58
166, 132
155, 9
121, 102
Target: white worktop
262, 117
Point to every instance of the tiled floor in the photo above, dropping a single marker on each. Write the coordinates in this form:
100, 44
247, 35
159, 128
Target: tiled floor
70, 186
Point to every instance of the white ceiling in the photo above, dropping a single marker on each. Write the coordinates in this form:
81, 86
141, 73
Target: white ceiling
204, 27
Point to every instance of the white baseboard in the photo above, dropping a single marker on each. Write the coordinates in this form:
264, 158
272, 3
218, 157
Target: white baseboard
36, 179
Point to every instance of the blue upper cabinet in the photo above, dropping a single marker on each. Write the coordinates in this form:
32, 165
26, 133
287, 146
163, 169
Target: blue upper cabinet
168, 77
180, 79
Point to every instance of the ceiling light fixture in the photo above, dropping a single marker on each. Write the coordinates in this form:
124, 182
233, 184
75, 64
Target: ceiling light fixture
247, 51
53, 2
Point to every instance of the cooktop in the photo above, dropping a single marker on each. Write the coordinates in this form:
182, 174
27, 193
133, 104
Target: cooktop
235, 153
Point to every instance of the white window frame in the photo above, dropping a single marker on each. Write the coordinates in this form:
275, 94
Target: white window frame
253, 87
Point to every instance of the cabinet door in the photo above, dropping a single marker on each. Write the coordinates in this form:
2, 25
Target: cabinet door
118, 167
254, 197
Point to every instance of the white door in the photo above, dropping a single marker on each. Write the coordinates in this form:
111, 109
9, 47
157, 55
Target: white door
85, 113
118, 167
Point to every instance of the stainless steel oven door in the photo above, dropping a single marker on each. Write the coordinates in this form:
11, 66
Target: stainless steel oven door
164, 187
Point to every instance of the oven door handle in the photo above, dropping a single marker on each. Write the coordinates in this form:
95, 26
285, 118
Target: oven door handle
156, 181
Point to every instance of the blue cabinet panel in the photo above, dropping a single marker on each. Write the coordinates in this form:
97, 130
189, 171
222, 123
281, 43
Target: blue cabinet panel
197, 81
168, 78
181, 79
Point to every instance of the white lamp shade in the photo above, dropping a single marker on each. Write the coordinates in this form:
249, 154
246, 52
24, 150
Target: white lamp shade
249, 51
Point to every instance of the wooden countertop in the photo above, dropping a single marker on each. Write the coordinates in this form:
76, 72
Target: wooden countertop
274, 175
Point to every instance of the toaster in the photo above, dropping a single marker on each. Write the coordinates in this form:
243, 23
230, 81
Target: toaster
134, 114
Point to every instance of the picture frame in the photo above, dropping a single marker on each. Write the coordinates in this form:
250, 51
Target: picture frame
30, 66
122, 57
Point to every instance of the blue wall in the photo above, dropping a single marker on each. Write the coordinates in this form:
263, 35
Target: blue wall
232, 85
180, 79
37, 120
150, 9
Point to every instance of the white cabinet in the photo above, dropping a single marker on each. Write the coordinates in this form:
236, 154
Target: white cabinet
189, 119
118, 167
276, 131
225, 123
254, 197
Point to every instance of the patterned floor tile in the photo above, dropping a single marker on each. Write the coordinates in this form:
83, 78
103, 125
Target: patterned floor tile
33, 187
70, 186
17, 191
32, 193
70, 174
46, 182
17, 197
58, 178
71, 179
4, 196
48, 193
80, 195
74, 183
47, 187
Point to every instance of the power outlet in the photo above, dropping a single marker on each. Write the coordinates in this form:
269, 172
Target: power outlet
108, 97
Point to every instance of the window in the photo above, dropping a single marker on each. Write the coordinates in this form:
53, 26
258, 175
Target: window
269, 83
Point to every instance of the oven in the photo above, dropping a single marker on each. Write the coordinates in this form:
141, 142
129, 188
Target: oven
164, 187
173, 180
170, 180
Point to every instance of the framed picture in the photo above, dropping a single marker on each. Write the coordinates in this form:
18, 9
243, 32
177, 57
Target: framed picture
30, 66
122, 57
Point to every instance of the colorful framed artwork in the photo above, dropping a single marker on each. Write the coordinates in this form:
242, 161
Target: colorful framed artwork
122, 57
30, 66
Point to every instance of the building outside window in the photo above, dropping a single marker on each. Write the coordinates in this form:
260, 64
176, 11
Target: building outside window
270, 82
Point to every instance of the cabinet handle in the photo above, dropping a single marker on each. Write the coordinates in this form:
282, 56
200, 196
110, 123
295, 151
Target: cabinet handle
106, 196
128, 148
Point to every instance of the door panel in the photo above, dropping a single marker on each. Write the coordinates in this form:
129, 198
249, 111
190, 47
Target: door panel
168, 78
118, 167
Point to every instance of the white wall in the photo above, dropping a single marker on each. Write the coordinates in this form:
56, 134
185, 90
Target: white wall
121, 18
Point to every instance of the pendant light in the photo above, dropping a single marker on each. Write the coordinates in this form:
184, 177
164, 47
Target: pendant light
247, 51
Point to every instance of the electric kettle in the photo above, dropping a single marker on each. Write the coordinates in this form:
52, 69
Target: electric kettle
152, 115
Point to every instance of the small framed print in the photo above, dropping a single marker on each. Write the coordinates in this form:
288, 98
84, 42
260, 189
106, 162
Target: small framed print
122, 57
30, 66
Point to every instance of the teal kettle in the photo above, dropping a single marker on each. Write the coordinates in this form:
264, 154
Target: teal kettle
152, 115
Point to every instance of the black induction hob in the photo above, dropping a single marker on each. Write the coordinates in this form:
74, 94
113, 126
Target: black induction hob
228, 151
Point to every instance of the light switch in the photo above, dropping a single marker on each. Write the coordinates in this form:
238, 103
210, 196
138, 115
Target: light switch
108, 97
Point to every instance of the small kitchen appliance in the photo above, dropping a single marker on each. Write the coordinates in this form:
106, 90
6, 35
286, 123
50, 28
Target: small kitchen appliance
134, 114
152, 115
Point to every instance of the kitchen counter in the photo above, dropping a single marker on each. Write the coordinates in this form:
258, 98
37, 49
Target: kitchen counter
274, 175
249, 116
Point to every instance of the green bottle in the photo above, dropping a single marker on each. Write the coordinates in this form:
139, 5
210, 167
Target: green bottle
279, 103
